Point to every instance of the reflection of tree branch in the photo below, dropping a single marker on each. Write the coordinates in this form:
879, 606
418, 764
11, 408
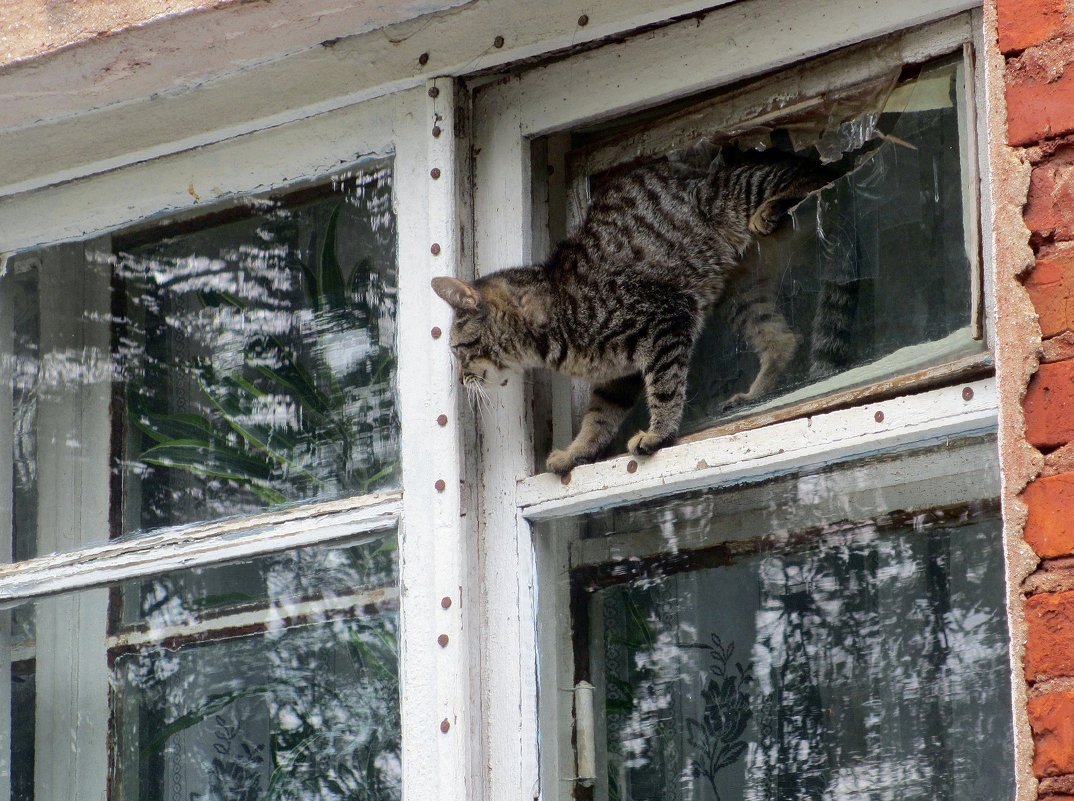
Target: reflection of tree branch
718, 737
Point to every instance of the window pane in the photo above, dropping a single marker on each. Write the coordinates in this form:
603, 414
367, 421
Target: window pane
213, 694
814, 637
872, 277
872, 274
204, 368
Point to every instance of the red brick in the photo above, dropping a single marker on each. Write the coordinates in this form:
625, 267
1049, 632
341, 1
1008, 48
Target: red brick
1049, 209
1051, 288
1037, 111
1024, 23
1050, 527
1052, 719
1049, 406
1049, 636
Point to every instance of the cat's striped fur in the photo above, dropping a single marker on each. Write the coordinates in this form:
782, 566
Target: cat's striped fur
622, 300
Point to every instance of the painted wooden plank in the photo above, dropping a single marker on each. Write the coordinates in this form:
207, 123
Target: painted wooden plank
503, 236
743, 39
438, 580
218, 174
900, 422
156, 109
192, 546
73, 458
7, 518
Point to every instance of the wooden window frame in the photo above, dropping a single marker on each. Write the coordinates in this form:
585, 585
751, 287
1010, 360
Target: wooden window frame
515, 119
469, 568
435, 578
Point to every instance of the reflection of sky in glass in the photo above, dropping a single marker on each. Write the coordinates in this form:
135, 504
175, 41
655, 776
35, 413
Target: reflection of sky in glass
271, 678
803, 638
216, 366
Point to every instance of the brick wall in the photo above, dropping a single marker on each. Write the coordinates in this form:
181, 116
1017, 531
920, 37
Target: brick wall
1036, 38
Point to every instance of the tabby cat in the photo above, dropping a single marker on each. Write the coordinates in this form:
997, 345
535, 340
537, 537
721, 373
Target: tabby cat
622, 300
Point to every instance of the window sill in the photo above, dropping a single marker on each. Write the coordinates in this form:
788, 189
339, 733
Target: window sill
729, 458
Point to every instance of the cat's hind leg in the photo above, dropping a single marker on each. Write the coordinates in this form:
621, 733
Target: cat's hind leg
665, 387
608, 407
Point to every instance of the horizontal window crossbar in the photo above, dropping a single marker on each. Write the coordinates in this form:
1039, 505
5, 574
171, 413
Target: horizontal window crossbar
910, 421
194, 546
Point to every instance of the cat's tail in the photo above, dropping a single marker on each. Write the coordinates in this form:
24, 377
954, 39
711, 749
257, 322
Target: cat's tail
837, 303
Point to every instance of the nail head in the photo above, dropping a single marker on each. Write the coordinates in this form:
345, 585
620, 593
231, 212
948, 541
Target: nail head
441, 420
435, 249
497, 42
632, 466
583, 20
445, 726
440, 485
442, 640
435, 172
436, 332
434, 92
967, 393
445, 602
879, 417
423, 59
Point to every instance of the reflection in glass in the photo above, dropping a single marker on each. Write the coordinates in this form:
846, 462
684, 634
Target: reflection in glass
819, 636
257, 356
273, 678
874, 275
878, 262
203, 368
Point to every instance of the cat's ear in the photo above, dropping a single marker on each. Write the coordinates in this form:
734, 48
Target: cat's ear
458, 294
718, 162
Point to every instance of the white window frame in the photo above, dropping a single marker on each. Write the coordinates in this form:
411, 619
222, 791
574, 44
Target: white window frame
469, 543
435, 578
526, 757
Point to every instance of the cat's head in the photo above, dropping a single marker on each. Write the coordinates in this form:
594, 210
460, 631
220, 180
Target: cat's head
493, 328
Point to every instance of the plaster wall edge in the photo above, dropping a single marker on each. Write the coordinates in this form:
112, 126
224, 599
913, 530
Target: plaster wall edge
1017, 338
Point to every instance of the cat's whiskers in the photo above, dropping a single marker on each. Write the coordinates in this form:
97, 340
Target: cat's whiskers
477, 394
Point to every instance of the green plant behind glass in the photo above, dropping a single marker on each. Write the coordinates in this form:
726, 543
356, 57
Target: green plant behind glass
338, 413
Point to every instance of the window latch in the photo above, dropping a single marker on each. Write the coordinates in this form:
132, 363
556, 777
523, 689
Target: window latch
584, 734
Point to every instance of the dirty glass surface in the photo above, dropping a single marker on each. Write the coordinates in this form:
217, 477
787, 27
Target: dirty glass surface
878, 261
214, 366
819, 636
875, 275
272, 678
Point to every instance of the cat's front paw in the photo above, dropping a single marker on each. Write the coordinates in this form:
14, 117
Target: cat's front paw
560, 462
646, 442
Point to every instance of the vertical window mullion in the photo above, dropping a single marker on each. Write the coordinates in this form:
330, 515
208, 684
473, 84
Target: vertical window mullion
7, 533
437, 573
502, 238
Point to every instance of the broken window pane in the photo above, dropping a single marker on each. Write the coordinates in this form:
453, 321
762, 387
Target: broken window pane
828, 635
872, 274
875, 276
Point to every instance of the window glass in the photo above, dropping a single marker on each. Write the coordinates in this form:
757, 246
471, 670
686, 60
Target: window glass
873, 277
271, 678
826, 635
204, 368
